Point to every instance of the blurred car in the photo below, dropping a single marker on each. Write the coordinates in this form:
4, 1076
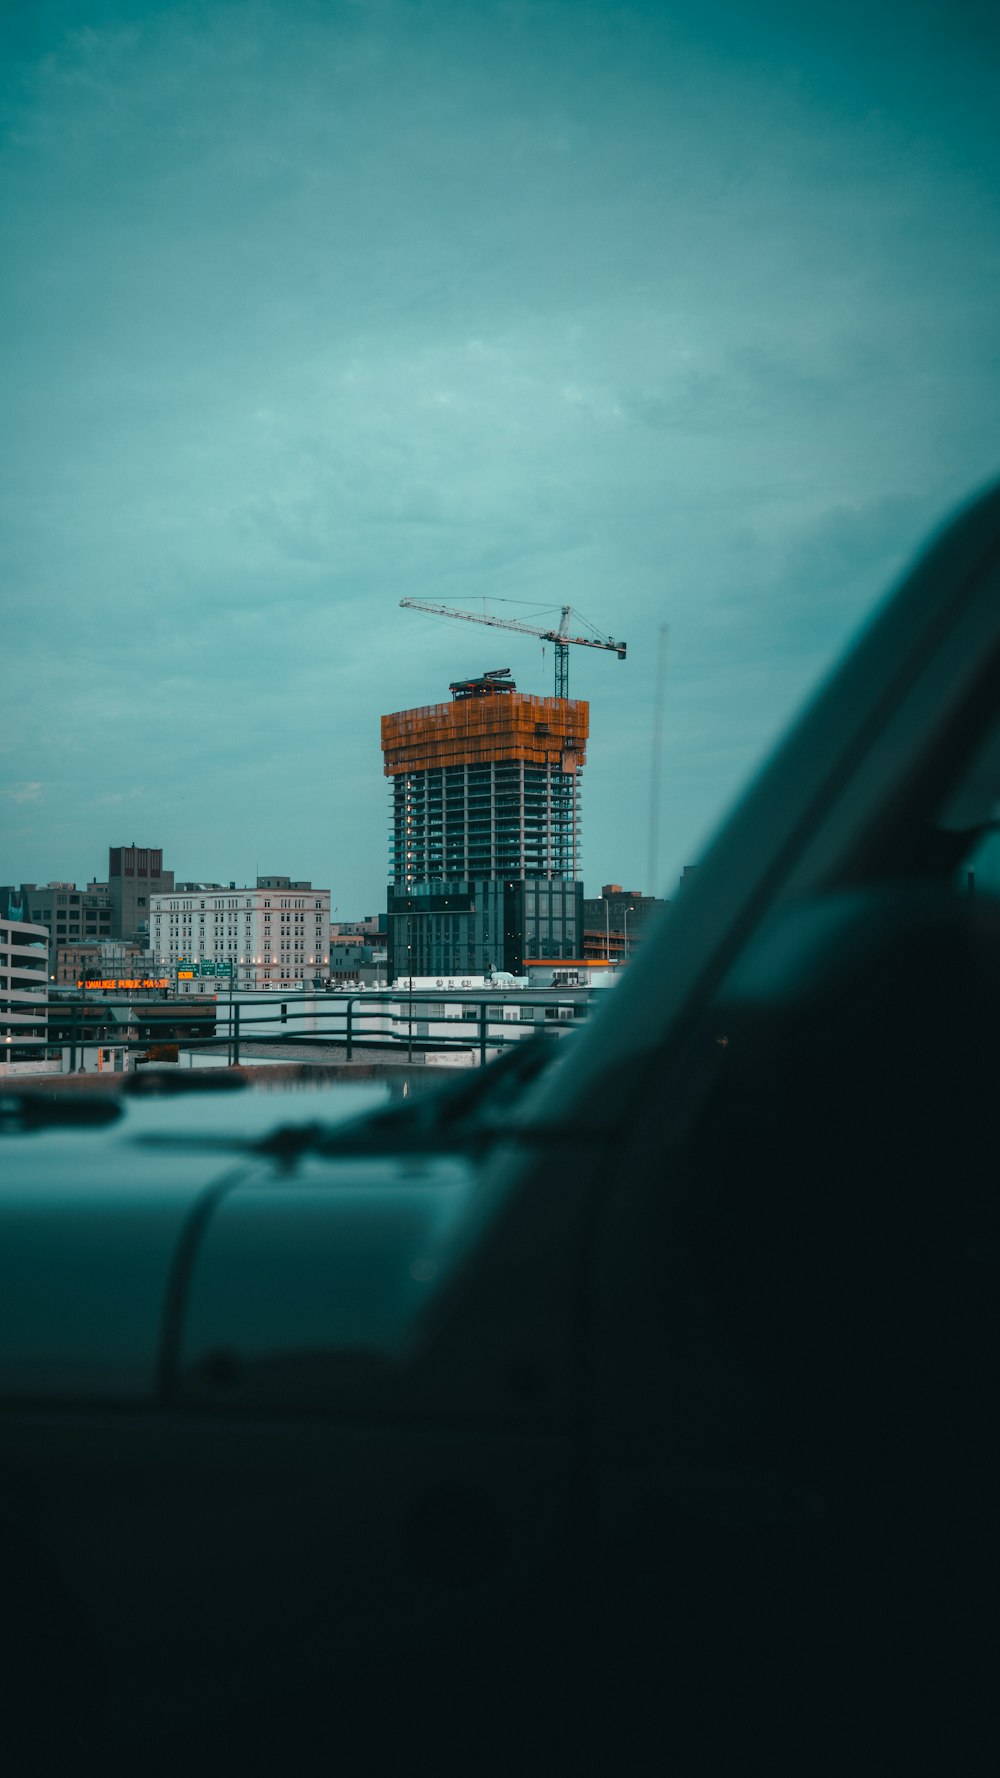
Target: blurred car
629, 1406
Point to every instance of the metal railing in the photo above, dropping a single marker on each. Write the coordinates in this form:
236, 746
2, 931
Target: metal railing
341, 1022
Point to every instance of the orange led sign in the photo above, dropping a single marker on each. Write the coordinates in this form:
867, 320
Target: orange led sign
162, 981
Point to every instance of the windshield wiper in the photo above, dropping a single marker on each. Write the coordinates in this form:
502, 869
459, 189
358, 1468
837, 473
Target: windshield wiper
463, 1117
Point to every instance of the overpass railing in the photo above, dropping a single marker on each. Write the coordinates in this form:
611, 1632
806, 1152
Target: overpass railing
340, 1023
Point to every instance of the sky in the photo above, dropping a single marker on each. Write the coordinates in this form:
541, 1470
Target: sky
681, 314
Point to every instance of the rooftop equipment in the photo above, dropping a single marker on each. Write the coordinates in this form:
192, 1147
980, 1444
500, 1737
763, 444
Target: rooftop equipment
488, 685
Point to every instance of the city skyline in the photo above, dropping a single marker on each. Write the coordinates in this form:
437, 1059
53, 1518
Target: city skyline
673, 313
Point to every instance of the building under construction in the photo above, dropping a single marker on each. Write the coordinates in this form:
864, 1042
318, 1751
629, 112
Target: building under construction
485, 830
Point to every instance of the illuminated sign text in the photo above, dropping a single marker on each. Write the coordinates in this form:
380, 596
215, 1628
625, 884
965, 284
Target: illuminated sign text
161, 981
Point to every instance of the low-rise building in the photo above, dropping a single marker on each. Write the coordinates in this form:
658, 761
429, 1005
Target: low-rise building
273, 935
351, 960
358, 952
615, 922
69, 914
82, 966
371, 930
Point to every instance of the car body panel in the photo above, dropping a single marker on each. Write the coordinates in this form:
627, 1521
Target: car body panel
93, 1226
90, 1233
222, 1562
307, 1289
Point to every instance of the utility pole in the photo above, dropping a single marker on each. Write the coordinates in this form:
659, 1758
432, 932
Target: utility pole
409, 986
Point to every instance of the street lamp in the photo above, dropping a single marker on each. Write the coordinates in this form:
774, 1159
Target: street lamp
625, 915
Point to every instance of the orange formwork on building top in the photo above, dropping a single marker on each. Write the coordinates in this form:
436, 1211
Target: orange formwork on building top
476, 731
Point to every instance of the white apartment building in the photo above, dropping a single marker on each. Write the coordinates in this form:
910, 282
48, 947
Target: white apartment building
276, 935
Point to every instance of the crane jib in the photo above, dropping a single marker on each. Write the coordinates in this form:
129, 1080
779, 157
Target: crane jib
562, 642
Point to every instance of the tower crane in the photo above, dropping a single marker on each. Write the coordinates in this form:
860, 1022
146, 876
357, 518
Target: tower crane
560, 638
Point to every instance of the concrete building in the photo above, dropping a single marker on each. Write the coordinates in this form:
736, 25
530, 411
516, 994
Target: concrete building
352, 961
358, 952
70, 915
484, 831
24, 989
135, 875
274, 935
615, 922
369, 931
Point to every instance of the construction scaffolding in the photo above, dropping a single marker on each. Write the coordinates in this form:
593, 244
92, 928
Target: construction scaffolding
481, 730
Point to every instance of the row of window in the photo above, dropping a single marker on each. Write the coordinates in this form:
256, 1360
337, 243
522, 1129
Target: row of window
231, 919
176, 927
224, 903
247, 965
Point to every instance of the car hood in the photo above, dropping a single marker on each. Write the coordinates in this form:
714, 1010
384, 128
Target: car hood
142, 1269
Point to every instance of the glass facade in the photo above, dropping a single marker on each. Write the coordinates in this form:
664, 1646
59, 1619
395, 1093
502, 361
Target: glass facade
477, 926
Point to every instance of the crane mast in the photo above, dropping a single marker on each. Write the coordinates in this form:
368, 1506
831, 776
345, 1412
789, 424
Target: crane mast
560, 638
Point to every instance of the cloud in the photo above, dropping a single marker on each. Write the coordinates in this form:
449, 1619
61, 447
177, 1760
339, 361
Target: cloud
119, 796
667, 312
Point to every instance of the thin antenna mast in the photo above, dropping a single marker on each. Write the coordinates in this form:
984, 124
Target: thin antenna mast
657, 760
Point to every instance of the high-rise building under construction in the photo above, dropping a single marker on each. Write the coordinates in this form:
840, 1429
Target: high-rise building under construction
485, 831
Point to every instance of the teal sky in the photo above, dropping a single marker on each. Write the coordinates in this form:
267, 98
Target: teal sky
677, 313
